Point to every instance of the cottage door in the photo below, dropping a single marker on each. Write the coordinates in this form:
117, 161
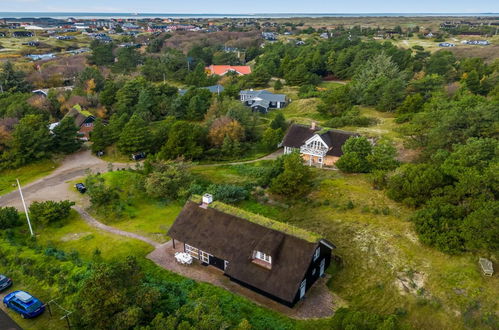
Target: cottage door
323, 263
303, 287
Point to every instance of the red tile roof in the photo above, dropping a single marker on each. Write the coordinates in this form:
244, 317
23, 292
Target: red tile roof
220, 70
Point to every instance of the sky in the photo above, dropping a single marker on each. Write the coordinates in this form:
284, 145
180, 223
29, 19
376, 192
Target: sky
252, 6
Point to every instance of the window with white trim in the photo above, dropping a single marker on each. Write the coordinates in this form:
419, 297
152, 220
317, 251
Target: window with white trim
204, 257
262, 256
317, 253
194, 252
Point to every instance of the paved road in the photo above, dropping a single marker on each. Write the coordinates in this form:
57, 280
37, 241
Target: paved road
6, 323
55, 186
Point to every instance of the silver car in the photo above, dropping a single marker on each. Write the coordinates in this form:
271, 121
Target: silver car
5, 282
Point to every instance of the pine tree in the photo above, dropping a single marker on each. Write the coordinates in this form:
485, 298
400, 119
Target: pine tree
115, 127
135, 136
278, 85
65, 136
12, 80
279, 122
31, 140
99, 136
295, 180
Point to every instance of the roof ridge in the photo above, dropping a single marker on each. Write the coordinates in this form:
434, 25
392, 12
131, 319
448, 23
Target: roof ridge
261, 220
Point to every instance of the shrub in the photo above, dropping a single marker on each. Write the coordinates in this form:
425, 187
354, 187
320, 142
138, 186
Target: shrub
44, 213
9, 218
295, 180
228, 193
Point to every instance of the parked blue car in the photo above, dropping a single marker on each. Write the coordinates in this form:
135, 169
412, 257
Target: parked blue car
5, 282
23, 303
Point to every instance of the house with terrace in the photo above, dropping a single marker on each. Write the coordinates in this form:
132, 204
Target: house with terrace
317, 147
262, 100
272, 258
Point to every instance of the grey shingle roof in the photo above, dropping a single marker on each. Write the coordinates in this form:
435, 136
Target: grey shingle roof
264, 95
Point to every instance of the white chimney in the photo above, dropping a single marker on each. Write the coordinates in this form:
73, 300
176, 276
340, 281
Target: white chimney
207, 199
312, 126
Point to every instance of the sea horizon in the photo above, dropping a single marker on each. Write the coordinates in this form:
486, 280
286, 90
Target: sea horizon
108, 15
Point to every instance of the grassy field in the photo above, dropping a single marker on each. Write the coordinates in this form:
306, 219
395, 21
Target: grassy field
149, 218
25, 174
139, 214
76, 234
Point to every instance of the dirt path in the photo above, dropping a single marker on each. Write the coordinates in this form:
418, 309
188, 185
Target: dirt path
276, 154
55, 186
93, 222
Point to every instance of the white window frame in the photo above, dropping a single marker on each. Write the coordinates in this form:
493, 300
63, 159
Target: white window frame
262, 256
204, 256
317, 253
194, 252
226, 263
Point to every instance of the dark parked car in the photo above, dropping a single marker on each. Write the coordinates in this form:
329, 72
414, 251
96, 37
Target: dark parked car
138, 156
5, 282
23, 303
81, 187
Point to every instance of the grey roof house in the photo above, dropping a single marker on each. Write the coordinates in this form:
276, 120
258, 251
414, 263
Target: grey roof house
262, 100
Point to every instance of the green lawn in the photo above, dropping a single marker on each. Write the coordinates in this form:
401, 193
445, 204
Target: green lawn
76, 234
140, 214
386, 126
25, 174
151, 219
230, 174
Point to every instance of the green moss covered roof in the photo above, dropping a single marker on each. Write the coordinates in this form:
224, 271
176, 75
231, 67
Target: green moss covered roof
261, 220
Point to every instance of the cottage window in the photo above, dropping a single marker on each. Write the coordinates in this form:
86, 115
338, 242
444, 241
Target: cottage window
204, 257
194, 252
262, 256
317, 253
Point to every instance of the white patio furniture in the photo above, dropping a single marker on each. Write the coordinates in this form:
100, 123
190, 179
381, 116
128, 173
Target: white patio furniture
183, 258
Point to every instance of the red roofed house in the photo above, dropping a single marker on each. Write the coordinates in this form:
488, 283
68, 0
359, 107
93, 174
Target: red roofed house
221, 70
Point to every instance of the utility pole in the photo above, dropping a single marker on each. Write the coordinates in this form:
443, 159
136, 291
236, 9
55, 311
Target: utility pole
25, 208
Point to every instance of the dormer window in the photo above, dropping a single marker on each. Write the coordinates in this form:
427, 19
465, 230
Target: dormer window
262, 259
262, 256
